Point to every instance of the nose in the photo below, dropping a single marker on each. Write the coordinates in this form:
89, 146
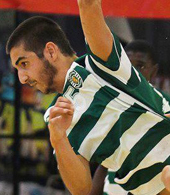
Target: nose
23, 77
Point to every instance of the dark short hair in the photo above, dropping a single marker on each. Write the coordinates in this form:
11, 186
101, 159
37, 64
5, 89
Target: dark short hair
35, 32
142, 46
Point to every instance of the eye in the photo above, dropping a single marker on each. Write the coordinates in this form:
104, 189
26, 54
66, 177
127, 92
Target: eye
23, 64
140, 65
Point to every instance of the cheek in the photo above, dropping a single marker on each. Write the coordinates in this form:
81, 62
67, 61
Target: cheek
146, 74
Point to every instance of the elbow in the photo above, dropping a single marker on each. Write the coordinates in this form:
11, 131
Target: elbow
84, 190
87, 190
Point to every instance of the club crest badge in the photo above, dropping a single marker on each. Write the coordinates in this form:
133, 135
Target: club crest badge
75, 79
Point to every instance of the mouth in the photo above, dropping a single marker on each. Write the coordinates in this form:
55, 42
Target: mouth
32, 83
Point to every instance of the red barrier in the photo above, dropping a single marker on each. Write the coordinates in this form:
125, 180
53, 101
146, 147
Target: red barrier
124, 8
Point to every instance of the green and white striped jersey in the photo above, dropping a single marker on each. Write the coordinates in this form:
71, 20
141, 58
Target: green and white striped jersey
119, 120
110, 187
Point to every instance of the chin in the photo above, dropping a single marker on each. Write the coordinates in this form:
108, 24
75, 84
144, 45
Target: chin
42, 90
48, 91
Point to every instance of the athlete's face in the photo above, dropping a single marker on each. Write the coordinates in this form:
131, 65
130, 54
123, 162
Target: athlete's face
32, 70
143, 63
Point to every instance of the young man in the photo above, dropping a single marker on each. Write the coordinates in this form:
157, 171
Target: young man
142, 56
108, 94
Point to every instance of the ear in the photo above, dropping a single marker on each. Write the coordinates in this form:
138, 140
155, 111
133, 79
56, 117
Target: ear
51, 51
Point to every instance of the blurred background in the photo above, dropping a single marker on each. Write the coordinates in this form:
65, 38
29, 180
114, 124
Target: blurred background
27, 164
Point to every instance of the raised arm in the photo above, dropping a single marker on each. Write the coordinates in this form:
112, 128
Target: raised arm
95, 29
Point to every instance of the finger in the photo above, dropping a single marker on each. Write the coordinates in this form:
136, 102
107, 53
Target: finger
56, 111
53, 121
63, 99
64, 105
167, 115
166, 177
62, 110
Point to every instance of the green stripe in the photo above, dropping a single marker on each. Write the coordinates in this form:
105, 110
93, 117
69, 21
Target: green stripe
145, 175
112, 140
134, 80
118, 46
111, 176
113, 62
82, 72
107, 77
143, 147
81, 60
129, 89
91, 116
104, 193
143, 92
147, 95
166, 96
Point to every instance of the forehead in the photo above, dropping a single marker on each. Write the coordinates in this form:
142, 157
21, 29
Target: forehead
19, 52
137, 55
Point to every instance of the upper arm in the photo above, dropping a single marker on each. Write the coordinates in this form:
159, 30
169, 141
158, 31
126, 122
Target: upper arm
97, 33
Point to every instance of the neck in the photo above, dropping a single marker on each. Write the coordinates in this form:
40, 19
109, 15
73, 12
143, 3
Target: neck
63, 64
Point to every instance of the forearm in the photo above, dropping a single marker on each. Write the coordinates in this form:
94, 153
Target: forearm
98, 181
95, 29
74, 173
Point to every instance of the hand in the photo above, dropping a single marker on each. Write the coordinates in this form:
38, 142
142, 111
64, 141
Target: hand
60, 120
167, 115
166, 177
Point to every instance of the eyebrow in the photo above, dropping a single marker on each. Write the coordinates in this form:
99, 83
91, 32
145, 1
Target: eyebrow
19, 59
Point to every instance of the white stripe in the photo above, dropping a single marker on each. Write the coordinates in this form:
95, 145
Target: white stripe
125, 97
158, 154
166, 106
114, 45
47, 114
113, 189
123, 73
137, 73
83, 99
165, 103
130, 138
154, 186
109, 117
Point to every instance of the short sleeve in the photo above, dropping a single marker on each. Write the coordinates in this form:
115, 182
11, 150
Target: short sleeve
117, 70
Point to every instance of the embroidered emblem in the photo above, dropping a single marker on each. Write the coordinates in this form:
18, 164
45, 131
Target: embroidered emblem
75, 79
